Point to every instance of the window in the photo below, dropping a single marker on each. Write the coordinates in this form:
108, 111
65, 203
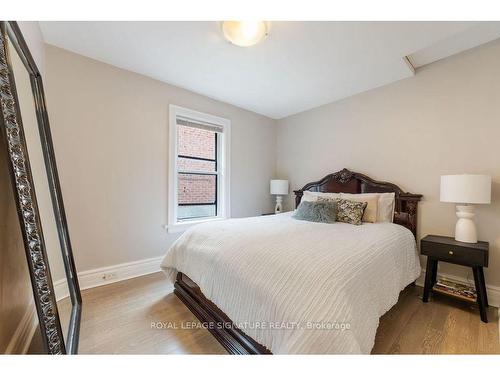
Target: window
198, 168
197, 171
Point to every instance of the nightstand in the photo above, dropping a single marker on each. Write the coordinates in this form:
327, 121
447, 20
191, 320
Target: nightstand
446, 249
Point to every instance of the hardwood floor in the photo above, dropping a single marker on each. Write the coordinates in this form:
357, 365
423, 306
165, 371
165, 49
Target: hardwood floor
117, 318
441, 326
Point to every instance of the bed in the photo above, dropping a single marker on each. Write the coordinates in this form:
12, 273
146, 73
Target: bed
274, 284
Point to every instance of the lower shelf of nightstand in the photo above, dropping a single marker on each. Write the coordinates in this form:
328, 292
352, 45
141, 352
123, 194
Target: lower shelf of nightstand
454, 295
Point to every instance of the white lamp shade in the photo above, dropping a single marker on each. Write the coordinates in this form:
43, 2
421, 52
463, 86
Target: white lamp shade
466, 188
279, 187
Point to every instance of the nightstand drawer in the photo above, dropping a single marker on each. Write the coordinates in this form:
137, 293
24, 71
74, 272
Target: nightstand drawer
454, 254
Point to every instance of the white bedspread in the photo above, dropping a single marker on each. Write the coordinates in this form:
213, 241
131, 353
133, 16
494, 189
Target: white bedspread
296, 286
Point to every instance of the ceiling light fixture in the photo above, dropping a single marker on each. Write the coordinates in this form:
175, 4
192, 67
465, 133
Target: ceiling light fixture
244, 33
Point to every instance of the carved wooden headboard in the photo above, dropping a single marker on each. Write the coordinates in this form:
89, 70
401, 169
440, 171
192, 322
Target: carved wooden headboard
345, 181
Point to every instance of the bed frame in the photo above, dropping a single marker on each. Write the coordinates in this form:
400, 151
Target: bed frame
344, 181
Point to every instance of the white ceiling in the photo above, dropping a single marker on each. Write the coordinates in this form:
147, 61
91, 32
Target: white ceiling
300, 65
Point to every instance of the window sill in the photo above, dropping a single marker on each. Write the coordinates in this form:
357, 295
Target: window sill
182, 226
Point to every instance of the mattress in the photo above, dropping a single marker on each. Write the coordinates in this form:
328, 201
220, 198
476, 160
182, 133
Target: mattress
299, 287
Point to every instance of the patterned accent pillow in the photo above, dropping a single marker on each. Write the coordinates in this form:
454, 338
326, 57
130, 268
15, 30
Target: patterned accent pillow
320, 212
348, 211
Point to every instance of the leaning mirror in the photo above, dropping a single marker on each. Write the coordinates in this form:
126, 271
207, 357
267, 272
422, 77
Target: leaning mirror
33, 170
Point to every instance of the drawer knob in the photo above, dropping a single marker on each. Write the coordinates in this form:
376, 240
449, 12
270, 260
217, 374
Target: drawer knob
450, 252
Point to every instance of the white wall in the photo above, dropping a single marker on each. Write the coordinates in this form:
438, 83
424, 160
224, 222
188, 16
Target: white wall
445, 120
110, 130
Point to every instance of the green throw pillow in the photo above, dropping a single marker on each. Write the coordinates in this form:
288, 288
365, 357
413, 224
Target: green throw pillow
320, 212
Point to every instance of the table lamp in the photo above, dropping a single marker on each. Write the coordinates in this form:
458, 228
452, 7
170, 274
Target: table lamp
279, 188
466, 190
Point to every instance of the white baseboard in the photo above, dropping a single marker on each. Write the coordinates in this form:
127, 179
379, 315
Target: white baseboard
108, 275
21, 339
493, 291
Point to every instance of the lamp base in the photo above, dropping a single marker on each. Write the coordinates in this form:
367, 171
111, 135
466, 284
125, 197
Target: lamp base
279, 205
465, 229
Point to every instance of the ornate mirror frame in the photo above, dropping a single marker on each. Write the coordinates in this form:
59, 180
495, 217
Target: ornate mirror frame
22, 180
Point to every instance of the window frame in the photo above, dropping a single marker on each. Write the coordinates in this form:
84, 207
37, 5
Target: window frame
223, 168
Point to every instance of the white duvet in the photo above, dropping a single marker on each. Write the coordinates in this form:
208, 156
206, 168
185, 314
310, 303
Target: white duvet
296, 286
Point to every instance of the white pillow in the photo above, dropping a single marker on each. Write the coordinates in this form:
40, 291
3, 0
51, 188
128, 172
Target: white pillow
386, 206
385, 209
312, 196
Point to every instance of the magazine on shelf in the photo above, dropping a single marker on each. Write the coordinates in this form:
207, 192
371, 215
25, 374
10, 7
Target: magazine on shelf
457, 289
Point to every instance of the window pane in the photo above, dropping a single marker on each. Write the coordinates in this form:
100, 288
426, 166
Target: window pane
196, 142
194, 212
196, 195
195, 165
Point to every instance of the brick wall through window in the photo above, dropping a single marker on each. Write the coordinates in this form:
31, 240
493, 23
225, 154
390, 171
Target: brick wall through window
195, 188
196, 142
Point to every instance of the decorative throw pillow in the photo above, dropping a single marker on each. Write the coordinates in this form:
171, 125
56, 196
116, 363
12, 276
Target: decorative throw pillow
385, 207
370, 214
348, 211
321, 212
